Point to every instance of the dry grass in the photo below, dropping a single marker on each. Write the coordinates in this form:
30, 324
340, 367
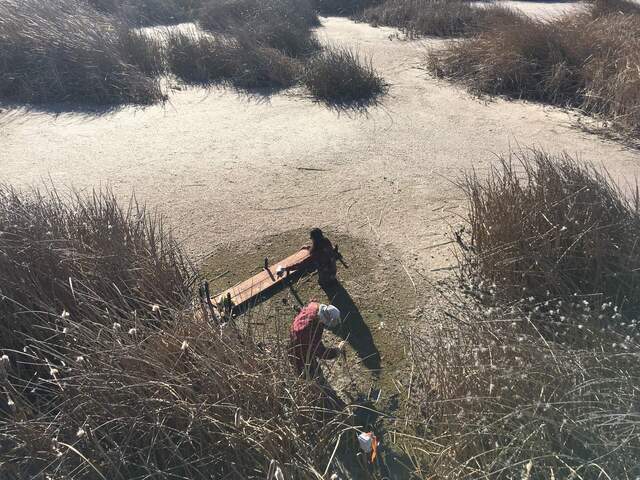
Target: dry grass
548, 225
108, 372
442, 18
343, 7
533, 373
203, 59
61, 50
116, 375
490, 398
340, 75
249, 44
127, 401
66, 51
281, 24
54, 247
601, 8
150, 12
589, 63
334, 75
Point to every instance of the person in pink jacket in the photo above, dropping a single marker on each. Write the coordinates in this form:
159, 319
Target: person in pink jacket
306, 331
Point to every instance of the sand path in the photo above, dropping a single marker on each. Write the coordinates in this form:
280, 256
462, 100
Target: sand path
225, 168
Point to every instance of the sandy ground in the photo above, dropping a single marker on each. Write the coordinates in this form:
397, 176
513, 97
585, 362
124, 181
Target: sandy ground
226, 168
545, 10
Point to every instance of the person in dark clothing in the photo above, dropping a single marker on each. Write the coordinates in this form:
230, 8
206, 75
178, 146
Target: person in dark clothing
322, 257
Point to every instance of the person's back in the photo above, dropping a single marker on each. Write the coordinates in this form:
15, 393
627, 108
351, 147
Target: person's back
323, 256
306, 337
305, 333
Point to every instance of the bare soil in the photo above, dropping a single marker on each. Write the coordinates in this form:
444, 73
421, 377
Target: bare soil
374, 294
377, 300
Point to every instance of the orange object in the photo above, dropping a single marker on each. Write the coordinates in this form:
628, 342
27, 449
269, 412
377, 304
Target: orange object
374, 447
248, 289
369, 444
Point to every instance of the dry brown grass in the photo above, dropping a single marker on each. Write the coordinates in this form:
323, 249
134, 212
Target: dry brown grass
441, 18
281, 24
549, 225
133, 383
107, 372
343, 7
340, 75
580, 61
55, 246
66, 51
129, 401
150, 12
203, 59
600, 8
490, 398
62, 50
532, 373
334, 75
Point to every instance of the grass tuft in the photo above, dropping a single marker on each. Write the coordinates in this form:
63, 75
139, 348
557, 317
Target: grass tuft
530, 372
281, 24
64, 51
338, 74
54, 247
439, 18
601, 8
203, 59
490, 398
578, 61
552, 226
343, 7
149, 12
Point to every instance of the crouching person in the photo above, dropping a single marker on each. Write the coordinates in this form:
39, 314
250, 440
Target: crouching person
306, 338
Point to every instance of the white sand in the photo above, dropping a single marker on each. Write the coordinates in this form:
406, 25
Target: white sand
543, 10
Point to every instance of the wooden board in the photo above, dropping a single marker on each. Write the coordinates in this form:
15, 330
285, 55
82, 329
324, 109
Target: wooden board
250, 288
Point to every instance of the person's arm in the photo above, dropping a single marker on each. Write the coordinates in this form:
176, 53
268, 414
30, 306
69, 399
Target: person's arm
327, 353
301, 264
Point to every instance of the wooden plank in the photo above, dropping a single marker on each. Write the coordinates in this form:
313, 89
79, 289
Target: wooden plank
250, 288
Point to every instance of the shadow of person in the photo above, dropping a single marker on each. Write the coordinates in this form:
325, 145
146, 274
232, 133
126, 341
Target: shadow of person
354, 328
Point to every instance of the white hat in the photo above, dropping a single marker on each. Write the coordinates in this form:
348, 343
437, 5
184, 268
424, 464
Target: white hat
329, 315
365, 439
